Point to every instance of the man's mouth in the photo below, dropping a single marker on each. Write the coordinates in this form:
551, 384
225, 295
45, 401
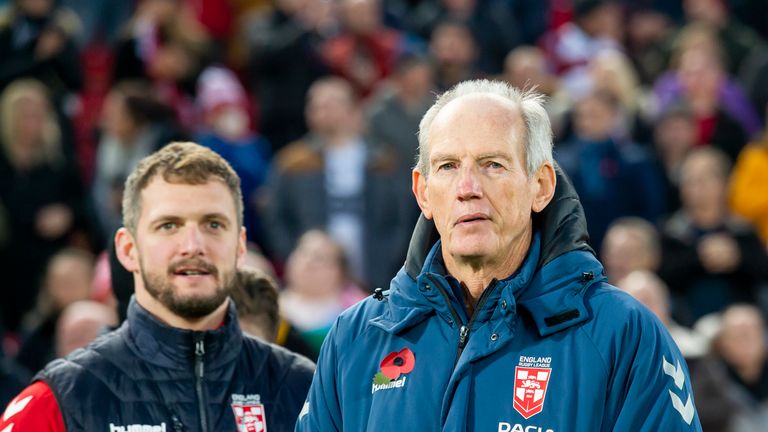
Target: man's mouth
193, 269
471, 218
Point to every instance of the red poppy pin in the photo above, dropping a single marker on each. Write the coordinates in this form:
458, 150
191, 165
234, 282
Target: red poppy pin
394, 365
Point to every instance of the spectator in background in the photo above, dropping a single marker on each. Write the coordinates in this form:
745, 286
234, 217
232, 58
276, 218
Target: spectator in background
284, 60
725, 118
365, 51
648, 30
255, 296
651, 291
163, 43
710, 259
318, 287
454, 52
731, 385
394, 114
67, 280
493, 25
335, 180
748, 183
42, 195
154, 24
738, 41
630, 244
226, 129
526, 67
81, 323
596, 26
134, 124
614, 178
612, 72
37, 40
674, 135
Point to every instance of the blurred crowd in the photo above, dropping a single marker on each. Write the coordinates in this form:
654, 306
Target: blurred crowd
658, 110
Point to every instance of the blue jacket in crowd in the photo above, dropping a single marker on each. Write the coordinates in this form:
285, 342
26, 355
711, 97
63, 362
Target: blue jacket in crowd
552, 348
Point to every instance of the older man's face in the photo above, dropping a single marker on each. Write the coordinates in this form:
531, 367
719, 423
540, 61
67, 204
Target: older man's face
478, 191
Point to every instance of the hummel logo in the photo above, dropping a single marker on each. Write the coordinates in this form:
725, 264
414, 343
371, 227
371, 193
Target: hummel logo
675, 372
304, 410
137, 428
15, 407
686, 410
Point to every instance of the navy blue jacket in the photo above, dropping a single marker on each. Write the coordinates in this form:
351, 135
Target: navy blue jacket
147, 373
552, 348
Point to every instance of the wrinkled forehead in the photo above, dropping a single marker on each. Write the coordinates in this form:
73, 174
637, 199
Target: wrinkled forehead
477, 117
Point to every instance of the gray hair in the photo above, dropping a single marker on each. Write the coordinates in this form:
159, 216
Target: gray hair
538, 131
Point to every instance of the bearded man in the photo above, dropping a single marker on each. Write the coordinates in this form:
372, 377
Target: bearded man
180, 360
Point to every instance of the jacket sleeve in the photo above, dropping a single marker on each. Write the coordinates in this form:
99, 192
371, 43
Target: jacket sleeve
322, 410
651, 383
34, 409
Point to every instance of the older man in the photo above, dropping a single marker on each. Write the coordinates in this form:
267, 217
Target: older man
504, 322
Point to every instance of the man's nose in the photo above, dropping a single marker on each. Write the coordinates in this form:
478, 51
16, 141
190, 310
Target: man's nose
192, 241
469, 186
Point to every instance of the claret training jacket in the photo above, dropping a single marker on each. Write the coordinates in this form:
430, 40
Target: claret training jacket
552, 348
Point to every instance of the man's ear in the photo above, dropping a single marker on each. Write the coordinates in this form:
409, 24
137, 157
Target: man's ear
126, 251
419, 188
242, 245
545, 182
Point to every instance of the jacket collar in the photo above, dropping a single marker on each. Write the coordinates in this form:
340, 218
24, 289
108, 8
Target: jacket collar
509, 288
171, 347
553, 291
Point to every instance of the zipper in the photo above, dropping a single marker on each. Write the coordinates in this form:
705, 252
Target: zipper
464, 331
199, 376
463, 328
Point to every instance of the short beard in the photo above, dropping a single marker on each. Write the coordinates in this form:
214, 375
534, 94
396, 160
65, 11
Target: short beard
191, 308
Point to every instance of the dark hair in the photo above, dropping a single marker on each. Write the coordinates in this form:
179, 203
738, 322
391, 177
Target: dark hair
141, 103
255, 297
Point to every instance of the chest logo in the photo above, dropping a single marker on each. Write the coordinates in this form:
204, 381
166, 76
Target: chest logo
530, 389
250, 415
392, 369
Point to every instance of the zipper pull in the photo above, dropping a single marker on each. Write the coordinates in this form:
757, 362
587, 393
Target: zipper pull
463, 336
177, 425
199, 353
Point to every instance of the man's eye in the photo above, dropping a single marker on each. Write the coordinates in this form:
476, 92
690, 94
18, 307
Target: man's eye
495, 165
446, 166
215, 225
168, 226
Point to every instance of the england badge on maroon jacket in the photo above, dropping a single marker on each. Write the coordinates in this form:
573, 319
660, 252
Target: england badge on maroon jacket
249, 413
531, 380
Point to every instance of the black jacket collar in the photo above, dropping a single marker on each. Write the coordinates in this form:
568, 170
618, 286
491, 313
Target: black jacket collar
172, 347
